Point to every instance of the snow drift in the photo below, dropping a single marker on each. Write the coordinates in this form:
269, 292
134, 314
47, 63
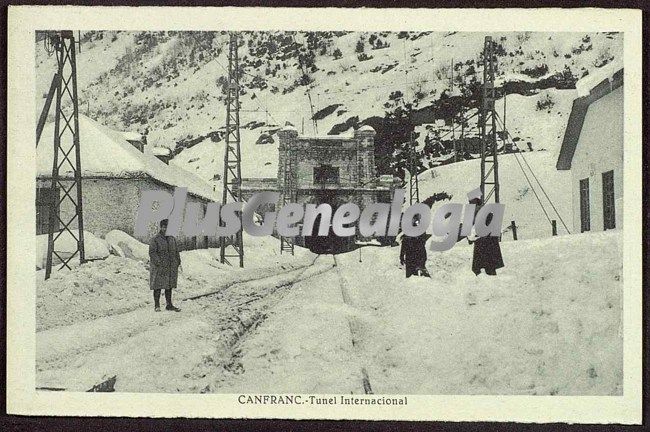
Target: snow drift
94, 248
124, 245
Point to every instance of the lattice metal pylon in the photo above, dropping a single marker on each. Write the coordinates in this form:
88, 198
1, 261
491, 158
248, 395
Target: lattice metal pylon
414, 186
67, 154
232, 156
289, 195
488, 127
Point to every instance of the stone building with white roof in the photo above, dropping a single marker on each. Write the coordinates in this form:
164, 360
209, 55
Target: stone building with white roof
114, 174
593, 150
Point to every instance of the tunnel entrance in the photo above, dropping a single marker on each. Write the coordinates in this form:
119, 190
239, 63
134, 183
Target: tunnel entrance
331, 243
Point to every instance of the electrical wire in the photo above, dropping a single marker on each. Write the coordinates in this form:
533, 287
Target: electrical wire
509, 136
532, 188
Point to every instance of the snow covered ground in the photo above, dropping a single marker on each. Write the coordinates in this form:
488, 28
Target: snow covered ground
118, 285
547, 324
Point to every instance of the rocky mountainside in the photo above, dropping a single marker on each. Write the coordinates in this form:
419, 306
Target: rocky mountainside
170, 86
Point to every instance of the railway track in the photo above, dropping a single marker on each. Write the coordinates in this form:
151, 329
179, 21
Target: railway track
303, 270
354, 327
232, 312
133, 323
248, 310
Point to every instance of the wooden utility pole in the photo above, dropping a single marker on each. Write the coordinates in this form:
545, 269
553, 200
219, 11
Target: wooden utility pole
311, 106
414, 187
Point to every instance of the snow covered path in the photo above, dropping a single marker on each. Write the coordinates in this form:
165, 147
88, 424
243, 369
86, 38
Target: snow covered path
305, 347
341, 325
141, 347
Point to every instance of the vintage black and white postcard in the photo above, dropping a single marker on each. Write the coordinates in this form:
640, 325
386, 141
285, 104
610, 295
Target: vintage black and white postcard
383, 214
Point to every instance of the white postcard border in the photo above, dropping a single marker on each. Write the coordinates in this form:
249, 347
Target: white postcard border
21, 396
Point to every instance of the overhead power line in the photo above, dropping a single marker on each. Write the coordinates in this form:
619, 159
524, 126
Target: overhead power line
512, 141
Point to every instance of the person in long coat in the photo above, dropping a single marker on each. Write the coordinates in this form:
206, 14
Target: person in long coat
487, 250
413, 255
164, 261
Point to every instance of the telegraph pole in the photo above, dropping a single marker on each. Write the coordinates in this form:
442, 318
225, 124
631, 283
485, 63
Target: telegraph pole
451, 82
453, 136
314, 121
67, 152
488, 127
232, 157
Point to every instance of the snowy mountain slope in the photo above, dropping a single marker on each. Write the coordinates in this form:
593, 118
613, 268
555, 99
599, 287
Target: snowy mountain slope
531, 127
170, 86
166, 83
543, 128
206, 158
93, 61
534, 122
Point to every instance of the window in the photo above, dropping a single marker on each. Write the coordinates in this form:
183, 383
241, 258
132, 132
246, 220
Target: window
584, 205
46, 200
609, 210
326, 174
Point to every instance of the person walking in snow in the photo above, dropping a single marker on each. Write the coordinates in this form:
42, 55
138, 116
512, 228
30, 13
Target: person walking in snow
413, 254
164, 261
487, 250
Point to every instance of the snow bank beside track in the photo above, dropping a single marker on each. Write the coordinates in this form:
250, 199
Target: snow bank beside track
547, 324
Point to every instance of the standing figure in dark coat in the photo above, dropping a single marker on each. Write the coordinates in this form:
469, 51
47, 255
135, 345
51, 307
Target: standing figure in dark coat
164, 261
487, 251
413, 254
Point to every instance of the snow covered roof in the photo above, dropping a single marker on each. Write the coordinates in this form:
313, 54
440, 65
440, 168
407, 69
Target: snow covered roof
289, 127
588, 83
132, 136
160, 151
366, 128
601, 84
106, 153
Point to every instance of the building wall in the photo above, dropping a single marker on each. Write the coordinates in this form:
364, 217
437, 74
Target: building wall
354, 158
252, 186
112, 204
599, 149
313, 156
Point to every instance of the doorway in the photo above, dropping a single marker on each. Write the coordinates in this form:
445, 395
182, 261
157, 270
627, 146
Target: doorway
331, 243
